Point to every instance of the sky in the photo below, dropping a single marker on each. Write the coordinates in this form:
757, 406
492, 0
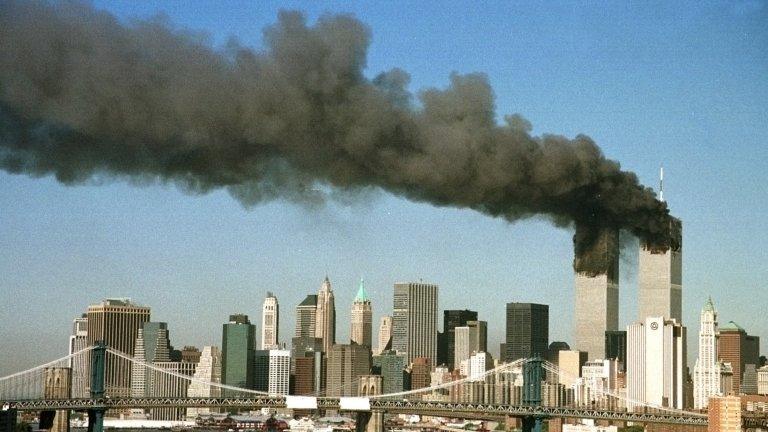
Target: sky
683, 84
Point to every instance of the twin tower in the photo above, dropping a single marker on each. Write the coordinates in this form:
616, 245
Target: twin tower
660, 284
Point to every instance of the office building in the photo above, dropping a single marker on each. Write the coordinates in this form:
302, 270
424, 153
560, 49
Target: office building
451, 320
597, 298
553, 351
527, 330
736, 347
762, 381
385, 334
361, 325
707, 371
749, 380
306, 315
468, 339
616, 345
238, 344
421, 373
325, 320
570, 363
391, 366
414, 320
170, 385
724, 414
270, 323
346, 363
78, 341
660, 279
479, 364
116, 322
272, 371
310, 376
300, 346
597, 382
656, 363
190, 354
208, 370
157, 343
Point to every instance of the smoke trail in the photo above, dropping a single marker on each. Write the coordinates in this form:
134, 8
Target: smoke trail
84, 96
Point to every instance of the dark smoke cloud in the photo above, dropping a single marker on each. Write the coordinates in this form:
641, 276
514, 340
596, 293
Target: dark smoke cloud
83, 96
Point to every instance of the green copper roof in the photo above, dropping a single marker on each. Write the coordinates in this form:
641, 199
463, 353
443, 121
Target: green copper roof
732, 326
709, 306
362, 296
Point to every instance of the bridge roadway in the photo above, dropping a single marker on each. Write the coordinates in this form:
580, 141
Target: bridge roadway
392, 406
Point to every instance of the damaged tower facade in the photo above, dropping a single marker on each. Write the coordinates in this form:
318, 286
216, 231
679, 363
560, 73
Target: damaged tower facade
660, 278
597, 293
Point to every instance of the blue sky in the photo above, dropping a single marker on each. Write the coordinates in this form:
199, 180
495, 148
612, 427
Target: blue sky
679, 83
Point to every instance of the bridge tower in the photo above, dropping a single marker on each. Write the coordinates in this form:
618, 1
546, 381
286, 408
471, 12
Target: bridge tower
369, 421
96, 414
532, 377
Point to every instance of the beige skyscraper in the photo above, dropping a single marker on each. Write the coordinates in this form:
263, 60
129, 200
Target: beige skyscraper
270, 322
325, 319
362, 318
79, 365
660, 279
385, 333
117, 323
346, 363
414, 320
597, 299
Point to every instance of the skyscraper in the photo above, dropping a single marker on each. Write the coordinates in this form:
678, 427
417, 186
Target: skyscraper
527, 330
157, 343
736, 347
451, 320
325, 320
469, 339
272, 371
391, 367
238, 350
660, 279
362, 318
270, 323
306, 315
385, 334
616, 346
597, 298
346, 363
117, 323
414, 320
208, 370
656, 362
706, 372
78, 341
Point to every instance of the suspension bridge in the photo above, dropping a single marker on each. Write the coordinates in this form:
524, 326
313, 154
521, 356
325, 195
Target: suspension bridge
90, 381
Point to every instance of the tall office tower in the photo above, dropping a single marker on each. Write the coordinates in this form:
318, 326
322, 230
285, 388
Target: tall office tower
391, 366
527, 330
306, 315
469, 339
208, 370
421, 372
238, 343
79, 341
346, 363
272, 371
325, 320
736, 347
304, 375
302, 345
414, 320
451, 320
362, 318
724, 414
479, 363
597, 297
656, 362
570, 362
749, 380
385, 334
616, 346
157, 343
117, 323
138, 370
660, 279
270, 323
706, 372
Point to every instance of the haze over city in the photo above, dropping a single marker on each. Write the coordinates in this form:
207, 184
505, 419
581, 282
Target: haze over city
675, 85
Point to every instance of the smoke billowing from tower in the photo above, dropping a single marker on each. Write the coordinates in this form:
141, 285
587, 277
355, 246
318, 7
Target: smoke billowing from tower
83, 96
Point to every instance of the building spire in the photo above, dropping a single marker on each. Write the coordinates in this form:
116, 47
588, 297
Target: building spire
661, 183
362, 295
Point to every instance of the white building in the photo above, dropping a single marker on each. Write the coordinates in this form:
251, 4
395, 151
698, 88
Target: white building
656, 361
273, 371
597, 382
385, 333
706, 372
208, 371
479, 364
270, 323
79, 365
762, 381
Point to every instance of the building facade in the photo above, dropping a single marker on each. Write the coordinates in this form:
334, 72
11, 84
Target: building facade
660, 279
597, 298
616, 345
78, 341
346, 363
270, 323
385, 334
736, 347
208, 370
238, 344
527, 332
272, 371
469, 339
306, 315
361, 325
451, 320
706, 371
325, 319
391, 366
414, 320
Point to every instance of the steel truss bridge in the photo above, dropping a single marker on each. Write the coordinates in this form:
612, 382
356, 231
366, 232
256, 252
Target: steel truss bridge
31, 391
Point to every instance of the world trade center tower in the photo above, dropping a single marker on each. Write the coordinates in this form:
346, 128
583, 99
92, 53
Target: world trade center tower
660, 278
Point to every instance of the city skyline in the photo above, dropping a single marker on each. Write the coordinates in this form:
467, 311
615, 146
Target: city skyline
136, 241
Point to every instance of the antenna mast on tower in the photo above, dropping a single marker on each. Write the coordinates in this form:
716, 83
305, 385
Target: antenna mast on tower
661, 183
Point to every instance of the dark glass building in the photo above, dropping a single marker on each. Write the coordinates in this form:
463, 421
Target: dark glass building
451, 320
238, 343
616, 345
527, 330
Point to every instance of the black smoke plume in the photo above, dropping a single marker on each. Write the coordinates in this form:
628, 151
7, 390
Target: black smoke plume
84, 96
